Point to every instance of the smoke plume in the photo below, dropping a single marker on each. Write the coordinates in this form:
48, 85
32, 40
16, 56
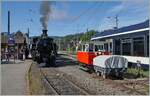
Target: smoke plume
45, 10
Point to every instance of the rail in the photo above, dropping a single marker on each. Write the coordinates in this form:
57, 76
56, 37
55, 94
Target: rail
61, 85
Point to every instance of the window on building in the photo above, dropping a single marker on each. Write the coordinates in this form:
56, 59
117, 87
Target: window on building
106, 46
126, 49
126, 46
83, 47
148, 46
79, 47
98, 47
110, 46
138, 46
91, 47
117, 47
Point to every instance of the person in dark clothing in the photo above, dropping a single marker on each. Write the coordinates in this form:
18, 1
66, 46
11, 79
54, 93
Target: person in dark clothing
26, 53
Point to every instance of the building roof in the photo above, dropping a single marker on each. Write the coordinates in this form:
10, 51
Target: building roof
124, 30
4, 37
18, 36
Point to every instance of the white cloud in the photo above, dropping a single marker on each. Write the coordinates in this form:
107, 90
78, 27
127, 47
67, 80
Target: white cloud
132, 5
58, 14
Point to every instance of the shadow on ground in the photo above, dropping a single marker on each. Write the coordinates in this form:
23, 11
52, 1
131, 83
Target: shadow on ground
63, 61
11, 62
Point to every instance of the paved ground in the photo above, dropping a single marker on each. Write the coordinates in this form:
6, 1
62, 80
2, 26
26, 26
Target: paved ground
13, 81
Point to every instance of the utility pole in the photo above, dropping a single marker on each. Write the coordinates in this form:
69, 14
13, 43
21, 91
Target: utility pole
116, 19
28, 33
28, 39
8, 22
86, 34
59, 43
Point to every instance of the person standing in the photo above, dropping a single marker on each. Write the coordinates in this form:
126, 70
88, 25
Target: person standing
26, 53
7, 54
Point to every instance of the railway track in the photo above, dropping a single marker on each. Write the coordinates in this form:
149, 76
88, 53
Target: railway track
57, 84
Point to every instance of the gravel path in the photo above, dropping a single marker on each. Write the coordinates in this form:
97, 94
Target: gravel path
14, 77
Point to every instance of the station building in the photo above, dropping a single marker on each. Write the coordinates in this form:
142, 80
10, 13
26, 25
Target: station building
20, 38
131, 40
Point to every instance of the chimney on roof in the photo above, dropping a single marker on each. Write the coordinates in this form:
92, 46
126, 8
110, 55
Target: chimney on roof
8, 22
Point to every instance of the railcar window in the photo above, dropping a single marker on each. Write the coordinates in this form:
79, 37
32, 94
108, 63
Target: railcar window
98, 47
106, 46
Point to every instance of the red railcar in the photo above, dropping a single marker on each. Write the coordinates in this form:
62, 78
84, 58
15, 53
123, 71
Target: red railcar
85, 57
87, 51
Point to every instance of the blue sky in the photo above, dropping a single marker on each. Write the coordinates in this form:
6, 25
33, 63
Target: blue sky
69, 17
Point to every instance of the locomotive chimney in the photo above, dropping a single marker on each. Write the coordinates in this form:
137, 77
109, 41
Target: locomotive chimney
45, 32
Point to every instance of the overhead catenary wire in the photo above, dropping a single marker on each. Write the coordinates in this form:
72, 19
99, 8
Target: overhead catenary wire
94, 13
91, 16
88, 10
84, 12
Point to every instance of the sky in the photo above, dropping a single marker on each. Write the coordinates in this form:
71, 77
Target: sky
70, 17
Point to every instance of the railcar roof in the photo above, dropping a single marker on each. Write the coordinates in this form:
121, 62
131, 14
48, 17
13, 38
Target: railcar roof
123, 29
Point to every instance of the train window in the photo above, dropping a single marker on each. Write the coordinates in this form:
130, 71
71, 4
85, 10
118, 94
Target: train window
110, 46
98, 47
106, 46
117, 47
148, 46
90, 47
138, 46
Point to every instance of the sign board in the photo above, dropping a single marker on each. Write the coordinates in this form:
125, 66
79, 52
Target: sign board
11, 42
126, 41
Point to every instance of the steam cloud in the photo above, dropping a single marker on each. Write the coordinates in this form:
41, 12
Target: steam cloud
45, 10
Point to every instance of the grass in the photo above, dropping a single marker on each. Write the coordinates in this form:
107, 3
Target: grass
136, 73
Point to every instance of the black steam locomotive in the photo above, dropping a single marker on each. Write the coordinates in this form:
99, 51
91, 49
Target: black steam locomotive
44, 50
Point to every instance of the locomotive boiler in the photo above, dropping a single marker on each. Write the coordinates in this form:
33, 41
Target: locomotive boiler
45, 50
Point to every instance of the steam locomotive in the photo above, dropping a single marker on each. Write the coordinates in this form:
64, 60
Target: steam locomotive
44, 50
